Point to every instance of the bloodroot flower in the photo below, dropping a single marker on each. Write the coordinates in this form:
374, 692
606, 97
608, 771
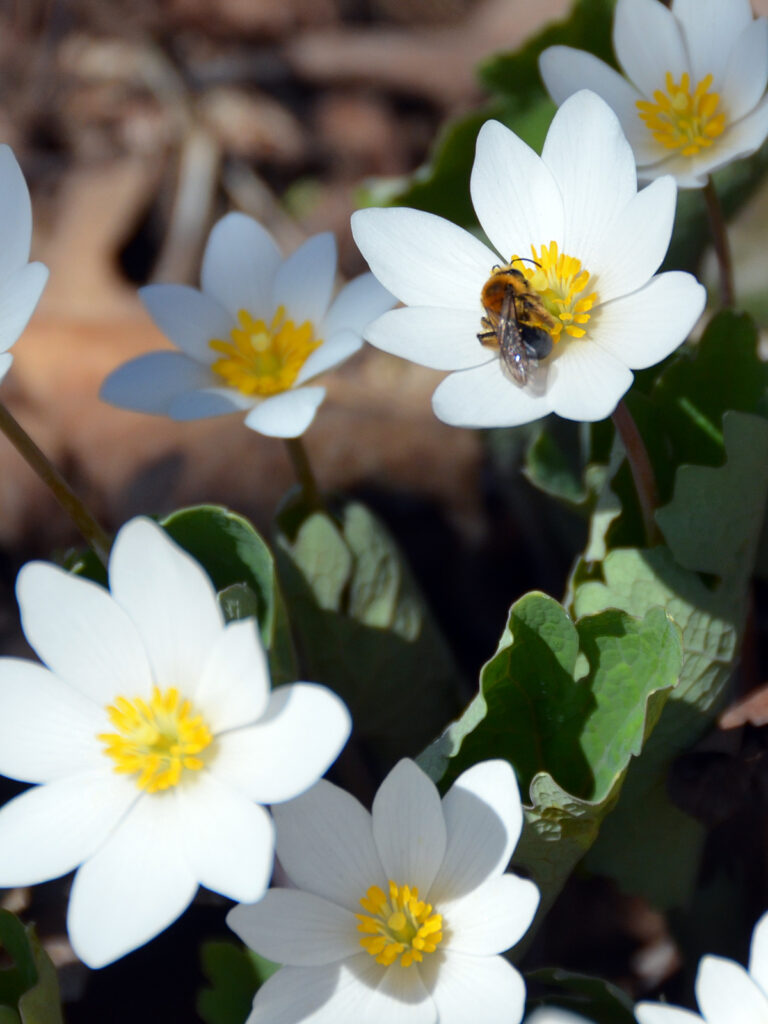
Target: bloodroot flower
567, 306
154, 737
694, 94
725, 991
398, 915
21, 282
261, 328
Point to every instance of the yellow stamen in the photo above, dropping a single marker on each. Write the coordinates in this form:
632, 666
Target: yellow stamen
561, 284
398, 925
684, 120
157, 740
264, 359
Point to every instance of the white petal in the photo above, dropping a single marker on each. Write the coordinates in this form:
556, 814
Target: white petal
206, 403
711, 29
152, 382
486, 397
422, 259
566, 71
661, 1013
409, 827
15, 214
472, 988
725, 993
758, 953
746, 73
337, 994
588, 382
643, 328
50, 829
444, 339
47, 729
401, 996
133, 887
239, 265
287, 414
81, 633
483, 818
297, 928
289, 748
648, 42
170, 598
593, 164
334, 350
234, 685
358, 302
325, 844
228, 840
636, 242
491, 919
514, 194
304, 283
19, 294
189, 318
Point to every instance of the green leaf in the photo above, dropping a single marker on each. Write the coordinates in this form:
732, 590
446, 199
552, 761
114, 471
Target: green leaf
590, 997
712, 525
235, 556
235, 975
363, 628
29, 990
569, 705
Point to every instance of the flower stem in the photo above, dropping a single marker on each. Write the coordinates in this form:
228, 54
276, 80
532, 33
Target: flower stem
303, 470
94, 535
642, 471
722, 248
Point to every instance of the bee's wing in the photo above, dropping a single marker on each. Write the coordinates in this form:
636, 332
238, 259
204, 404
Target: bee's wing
510, 341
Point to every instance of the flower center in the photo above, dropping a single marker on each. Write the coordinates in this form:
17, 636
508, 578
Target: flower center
399, 926
681, 119
156, 740
263, 359
561, 285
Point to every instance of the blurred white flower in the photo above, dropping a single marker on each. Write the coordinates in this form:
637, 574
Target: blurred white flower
259, 330
725, 991
397, 915
21, 282
582, 244
694, 94
154, 737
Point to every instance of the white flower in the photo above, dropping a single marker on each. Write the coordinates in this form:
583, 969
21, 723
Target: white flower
259, 330
592, 244
693, 97
725, 992
21, 282
398, 915
154, 737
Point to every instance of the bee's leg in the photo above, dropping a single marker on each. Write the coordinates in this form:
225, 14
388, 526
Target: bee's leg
488, 336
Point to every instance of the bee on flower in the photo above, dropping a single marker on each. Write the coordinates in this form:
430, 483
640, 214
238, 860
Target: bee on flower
566, 305
692, 97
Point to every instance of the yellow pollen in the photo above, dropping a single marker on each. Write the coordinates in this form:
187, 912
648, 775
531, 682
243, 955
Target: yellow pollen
398, 924
561, 284
156, 740
263, 359
684, 120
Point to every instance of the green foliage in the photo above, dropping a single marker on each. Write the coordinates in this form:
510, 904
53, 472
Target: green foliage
569, 704
29, 990
235, 975
242, 569
362, 626
712, 525
590, 997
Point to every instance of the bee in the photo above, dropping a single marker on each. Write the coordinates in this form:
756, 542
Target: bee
515, 322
